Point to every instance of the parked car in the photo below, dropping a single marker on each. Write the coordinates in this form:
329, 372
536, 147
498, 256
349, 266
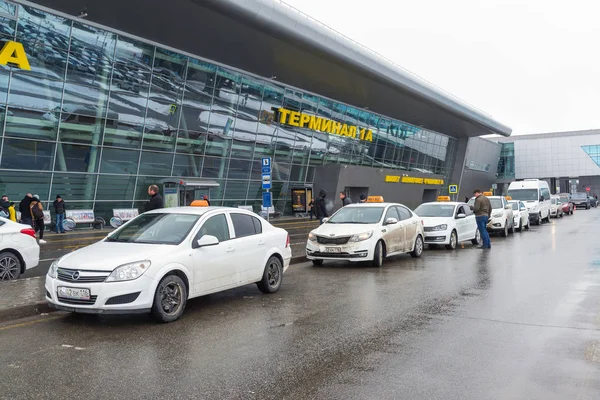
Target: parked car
366, 232
160, 259
19, 250
581, 199
520, 215
448, 223
535, 194
502, 218
556, 207
567, 205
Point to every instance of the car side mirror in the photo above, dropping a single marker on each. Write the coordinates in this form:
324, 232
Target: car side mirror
325, 220
391, 221
523, 209
508, 207
541, 198
461, 216
205, 241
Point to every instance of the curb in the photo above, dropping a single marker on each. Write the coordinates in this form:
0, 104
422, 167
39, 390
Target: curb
24, 311
31, 310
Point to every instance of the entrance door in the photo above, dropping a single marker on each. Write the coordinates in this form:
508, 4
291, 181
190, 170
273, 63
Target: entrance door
429, 195
354, 193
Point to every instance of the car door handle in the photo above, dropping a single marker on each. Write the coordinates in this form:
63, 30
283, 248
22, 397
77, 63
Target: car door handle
230, 249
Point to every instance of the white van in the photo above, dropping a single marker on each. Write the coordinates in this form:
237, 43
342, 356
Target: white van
535, 194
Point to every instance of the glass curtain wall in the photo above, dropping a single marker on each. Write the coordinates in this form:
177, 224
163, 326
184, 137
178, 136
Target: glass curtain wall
100, 117
506, 164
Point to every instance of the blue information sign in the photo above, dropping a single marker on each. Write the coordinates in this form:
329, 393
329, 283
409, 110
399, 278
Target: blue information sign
266, 181
266, 165
453, 189
267, 199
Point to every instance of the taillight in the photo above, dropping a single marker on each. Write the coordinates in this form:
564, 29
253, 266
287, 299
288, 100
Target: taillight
28, 231
287, 241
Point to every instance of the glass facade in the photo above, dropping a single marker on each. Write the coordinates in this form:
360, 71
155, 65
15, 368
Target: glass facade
100, 116
506, 164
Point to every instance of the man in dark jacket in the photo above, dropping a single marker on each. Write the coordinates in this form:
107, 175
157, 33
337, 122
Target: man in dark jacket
320, 206
59, 210
156, 200
4, 204
25, 211
345, 199
482, 208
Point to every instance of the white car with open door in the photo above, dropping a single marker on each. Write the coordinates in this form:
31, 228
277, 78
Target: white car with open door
160, 259
520, 215
366, 232
448, 223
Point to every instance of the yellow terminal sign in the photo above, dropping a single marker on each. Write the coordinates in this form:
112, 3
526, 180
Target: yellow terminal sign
13, 54
296, 118
392, 178
411, 179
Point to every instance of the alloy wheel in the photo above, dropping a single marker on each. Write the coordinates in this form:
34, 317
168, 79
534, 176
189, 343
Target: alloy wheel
419, 245
273, 274
9, 269
171, 298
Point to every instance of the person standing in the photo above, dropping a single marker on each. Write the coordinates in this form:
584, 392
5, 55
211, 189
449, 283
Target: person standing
25, 211
59, 210
4, 204
311, 208
12, 214
207, 200
321, 207
362, 199
482, 210
36, 210
345, 199
156, 200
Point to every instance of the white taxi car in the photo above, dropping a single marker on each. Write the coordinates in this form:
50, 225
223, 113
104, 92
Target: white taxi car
556, 207
366, 232
502, 218
520, 215
448, 223
160, 259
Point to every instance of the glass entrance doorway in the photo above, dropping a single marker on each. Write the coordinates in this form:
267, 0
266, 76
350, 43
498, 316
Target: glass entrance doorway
182, 192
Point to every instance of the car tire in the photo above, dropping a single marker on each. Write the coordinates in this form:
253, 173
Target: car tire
272, 276
453, 241
418, 250
10, 266
477, 239
528, 225
587, 206
317, 263
539, 219
504, 232
170, 299
378, 255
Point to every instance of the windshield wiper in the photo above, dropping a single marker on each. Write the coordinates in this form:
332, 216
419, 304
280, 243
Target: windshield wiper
109, 239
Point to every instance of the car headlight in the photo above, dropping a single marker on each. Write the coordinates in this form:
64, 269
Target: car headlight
128, 272
497, 215
442, 227
52, 272
361, 236
312, 237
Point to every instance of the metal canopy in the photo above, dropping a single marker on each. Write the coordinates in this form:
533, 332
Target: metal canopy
191, 182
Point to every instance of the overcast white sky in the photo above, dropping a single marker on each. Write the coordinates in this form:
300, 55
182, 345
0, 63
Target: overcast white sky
533, 65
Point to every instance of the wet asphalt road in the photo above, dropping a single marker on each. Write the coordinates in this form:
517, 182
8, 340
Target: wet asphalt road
521, 321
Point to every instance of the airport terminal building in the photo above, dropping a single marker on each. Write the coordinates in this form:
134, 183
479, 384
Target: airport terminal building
98, 103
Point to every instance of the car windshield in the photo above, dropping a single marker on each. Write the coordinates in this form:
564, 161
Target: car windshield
435, 210
357, 215
564, 199
524, 194
579, 196
156, 229
515, 206
496, 203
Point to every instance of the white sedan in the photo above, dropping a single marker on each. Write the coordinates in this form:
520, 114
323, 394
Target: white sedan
520, 215
366, 232
448, 223
19, 250
158, 260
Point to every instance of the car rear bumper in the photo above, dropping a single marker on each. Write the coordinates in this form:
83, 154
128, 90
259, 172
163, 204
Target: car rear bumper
31, 256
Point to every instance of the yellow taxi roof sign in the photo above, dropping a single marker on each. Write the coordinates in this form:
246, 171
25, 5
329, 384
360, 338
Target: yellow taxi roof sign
375, 199
508, 198
199, 203
488, 193
443, 198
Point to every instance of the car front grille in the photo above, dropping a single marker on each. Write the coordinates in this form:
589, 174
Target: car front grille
333, 240
89, 302
68, 275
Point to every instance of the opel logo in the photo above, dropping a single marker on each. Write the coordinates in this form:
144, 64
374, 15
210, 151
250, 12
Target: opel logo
75, 275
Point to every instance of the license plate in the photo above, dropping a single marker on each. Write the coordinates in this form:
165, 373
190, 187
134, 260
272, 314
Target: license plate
73, 293
333, 250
